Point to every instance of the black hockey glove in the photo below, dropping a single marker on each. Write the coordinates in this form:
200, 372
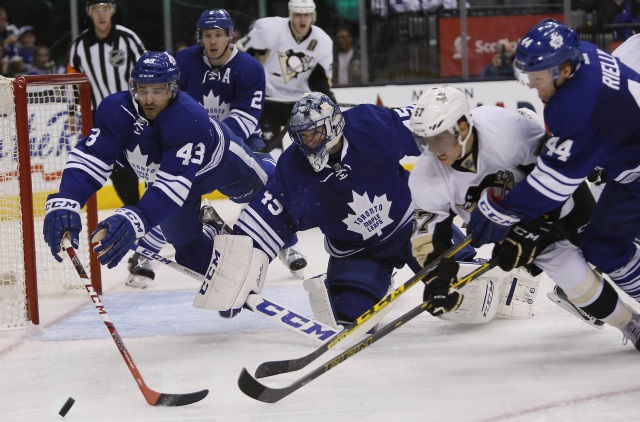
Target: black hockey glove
438, 289
597, 176
523, 244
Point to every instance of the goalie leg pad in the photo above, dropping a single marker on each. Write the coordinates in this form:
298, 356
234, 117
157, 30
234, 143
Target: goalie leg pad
236, 269
481, 297
519, 294
319, 300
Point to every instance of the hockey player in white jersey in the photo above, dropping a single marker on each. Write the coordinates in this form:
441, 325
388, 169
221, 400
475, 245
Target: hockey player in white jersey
466, 152
297, 57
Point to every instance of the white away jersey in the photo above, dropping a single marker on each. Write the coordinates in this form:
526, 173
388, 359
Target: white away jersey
505, 143
288, 63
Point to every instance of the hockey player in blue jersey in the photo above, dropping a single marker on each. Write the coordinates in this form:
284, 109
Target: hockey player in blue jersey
593, 114
170, 142
344, 177
230, 84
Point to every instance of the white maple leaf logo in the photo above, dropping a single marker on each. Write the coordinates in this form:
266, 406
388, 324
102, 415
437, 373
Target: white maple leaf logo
370, 216
215, 108
556, 41
138, 161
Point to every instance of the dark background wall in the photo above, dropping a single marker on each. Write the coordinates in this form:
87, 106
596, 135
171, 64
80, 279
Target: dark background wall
51, 18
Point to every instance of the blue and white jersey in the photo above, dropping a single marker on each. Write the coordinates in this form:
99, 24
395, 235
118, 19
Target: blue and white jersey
232, 94
182, 154
594, 119
360, 200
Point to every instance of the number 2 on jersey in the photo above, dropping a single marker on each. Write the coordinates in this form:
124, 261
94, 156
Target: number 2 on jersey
563, 151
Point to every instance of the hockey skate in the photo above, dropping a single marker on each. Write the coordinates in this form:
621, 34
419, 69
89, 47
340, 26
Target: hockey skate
559, 297
632, 331
209, 216
140, 272
293, 259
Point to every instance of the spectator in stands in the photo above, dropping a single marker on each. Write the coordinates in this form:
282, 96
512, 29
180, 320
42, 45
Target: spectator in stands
434, 6
42, 63
9, 33
618, 11
17, 66
347, 68
502, 62
26, 44
4, 59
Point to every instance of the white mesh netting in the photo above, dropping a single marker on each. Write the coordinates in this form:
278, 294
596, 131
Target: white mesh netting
55, 119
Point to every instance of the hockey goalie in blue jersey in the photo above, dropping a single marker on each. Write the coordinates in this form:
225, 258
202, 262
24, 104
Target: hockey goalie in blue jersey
592, 111
343, 176
229, 83
170, 142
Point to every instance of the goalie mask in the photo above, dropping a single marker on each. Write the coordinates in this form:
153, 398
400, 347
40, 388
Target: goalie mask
155, 68
316, 126
435, 120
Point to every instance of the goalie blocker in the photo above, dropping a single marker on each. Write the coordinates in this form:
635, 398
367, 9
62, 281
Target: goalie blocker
236, 269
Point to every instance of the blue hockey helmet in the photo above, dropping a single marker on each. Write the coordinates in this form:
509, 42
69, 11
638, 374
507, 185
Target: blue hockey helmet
546, 46
216, 18
316, 126
155, 67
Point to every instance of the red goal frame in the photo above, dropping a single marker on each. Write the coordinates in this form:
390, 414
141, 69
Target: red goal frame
26, 195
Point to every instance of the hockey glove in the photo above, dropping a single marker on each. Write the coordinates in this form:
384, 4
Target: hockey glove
523, 245
438, 289
117, 233
489, 222
63, 216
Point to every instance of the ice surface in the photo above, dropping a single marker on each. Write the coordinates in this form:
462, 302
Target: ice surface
551, 367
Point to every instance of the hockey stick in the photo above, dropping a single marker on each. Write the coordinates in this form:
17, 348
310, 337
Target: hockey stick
258, 391
271, 368
153, 397
256, 303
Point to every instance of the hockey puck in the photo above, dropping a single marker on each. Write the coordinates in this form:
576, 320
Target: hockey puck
66, 407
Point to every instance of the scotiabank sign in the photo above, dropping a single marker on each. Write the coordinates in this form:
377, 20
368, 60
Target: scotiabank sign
483, 32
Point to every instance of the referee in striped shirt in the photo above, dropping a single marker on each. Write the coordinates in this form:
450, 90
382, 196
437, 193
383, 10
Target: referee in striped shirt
106, 53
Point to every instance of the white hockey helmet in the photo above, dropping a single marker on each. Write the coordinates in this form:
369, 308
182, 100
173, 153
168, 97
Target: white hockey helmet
302, 6
439, 110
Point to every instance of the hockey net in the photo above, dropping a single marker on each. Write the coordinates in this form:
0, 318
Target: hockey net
42, 118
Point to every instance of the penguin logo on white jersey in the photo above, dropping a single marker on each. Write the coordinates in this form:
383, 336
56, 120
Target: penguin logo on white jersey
292, 64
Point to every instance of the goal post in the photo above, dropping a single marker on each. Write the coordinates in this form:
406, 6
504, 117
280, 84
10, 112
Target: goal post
42, 118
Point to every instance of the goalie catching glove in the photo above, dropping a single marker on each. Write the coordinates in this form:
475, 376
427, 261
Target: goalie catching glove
438, 289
